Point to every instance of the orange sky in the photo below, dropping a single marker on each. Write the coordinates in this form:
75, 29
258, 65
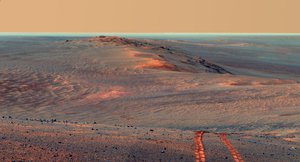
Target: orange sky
234, 16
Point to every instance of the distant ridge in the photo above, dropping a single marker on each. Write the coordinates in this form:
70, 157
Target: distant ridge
179, 64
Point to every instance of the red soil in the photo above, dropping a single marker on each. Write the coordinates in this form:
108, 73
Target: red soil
114, 93
199, 147
159, 64
235, 154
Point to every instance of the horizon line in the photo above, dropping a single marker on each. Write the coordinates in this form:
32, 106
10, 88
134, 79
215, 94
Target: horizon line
136, 33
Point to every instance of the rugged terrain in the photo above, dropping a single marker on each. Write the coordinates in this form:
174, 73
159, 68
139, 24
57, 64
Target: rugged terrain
120, 99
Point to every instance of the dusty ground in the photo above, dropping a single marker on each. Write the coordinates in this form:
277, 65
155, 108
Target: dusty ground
71, 141
120, 99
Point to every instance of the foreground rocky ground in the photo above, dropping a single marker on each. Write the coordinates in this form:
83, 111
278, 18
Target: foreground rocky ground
52, 140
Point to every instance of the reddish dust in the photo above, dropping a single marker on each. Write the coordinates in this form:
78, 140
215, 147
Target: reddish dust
111, 94
199, 147
235, 154
157, 64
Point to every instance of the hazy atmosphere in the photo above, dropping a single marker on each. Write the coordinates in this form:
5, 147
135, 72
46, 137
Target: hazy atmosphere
249, 16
